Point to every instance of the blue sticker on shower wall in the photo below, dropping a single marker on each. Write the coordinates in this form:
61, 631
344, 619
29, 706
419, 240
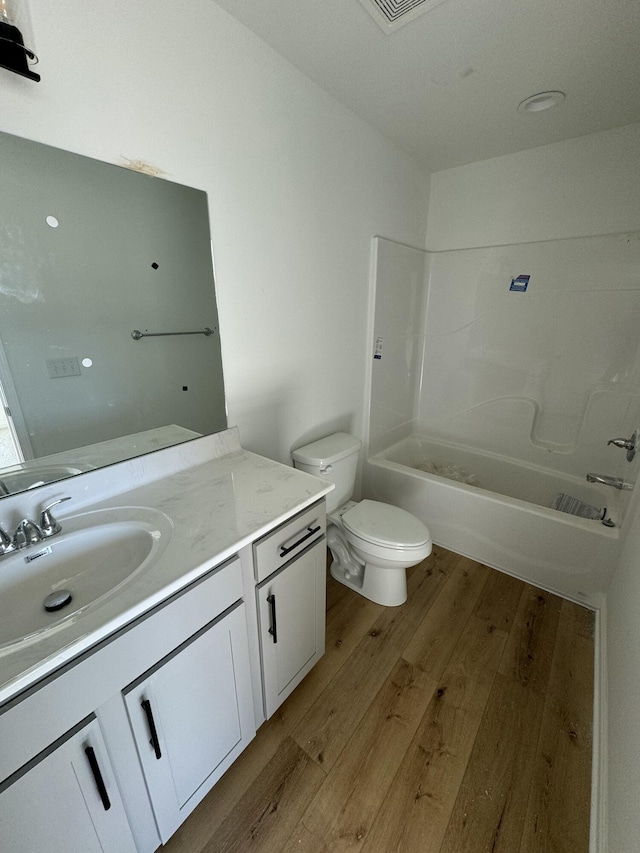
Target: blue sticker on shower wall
520, 283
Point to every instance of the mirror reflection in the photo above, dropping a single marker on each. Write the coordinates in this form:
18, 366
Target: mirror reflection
109, 337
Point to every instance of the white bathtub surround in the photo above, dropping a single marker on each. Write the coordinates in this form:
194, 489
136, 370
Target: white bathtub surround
400, 283
524, 382
546, 376
217, 498
498, 524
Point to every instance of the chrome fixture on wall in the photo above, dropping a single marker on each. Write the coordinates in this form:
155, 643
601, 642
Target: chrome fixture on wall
628, 444
16, 41
615, 482
137, 334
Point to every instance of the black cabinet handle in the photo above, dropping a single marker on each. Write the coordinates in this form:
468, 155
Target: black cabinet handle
273, 630
97, 775
155, 743
311, 531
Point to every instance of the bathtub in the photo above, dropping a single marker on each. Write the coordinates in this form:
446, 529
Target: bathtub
504, 520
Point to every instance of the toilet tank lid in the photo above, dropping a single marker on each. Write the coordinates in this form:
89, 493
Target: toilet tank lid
327, 450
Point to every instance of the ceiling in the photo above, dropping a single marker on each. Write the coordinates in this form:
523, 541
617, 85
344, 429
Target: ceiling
446, 86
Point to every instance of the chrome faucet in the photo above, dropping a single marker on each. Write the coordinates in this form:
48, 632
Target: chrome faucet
29, 533
628, 444
615, 482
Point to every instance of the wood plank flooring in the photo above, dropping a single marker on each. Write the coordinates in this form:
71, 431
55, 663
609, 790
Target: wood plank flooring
460, 722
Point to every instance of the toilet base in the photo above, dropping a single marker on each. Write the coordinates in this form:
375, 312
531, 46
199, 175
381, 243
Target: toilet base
384, 586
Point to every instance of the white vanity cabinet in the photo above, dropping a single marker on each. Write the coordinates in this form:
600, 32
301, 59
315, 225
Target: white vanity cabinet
189, 658
290, 565
113, 728
65, 800
190, 714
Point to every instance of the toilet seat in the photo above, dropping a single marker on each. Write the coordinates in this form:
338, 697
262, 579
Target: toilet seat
385, 525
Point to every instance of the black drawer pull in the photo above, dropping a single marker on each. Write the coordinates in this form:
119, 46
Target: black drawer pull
273, 630
97, 775
155, 743
311, 531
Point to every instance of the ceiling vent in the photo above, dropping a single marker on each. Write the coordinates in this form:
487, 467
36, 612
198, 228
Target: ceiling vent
390, 15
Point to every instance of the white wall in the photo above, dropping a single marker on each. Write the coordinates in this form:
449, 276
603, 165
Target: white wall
297, 187
576, 188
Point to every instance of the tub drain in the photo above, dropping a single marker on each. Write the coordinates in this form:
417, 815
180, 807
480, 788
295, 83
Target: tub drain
57, 600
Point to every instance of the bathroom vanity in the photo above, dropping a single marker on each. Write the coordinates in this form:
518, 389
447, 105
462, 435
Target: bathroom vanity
117, 719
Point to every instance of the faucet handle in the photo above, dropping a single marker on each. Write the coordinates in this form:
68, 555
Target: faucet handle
625, 443
6, 543
628, 444
48, 525
27, 533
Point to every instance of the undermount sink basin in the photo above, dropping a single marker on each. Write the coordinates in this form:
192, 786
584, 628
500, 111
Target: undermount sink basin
94, 557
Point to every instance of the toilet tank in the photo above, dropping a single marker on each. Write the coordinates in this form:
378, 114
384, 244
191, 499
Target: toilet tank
333, 458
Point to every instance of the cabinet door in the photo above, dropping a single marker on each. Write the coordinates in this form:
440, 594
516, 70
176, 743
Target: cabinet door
65, 800
291, 613
191, 716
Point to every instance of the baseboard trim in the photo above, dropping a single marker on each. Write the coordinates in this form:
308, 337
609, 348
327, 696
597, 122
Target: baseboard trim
598, 827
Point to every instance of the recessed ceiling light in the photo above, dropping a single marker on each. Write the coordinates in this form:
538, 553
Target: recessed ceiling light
541, 101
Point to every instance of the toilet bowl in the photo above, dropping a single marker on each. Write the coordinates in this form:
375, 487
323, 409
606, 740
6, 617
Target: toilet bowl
372, 543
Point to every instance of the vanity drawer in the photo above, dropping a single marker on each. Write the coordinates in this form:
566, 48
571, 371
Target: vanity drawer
284, 543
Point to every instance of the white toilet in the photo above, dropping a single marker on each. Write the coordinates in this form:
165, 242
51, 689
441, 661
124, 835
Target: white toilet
372, 543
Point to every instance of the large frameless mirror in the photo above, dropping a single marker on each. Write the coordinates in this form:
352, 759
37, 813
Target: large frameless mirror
109, 338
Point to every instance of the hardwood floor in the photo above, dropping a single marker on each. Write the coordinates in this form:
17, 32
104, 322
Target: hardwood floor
460, 722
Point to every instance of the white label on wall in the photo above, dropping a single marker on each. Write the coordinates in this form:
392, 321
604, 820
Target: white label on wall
377, 353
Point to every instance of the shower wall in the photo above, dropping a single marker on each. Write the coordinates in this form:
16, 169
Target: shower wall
545, 375
401, 288
530, 350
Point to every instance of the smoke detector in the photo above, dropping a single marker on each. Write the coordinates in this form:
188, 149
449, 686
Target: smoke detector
390, 15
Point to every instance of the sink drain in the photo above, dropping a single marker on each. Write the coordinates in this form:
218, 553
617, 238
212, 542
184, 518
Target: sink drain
57, 600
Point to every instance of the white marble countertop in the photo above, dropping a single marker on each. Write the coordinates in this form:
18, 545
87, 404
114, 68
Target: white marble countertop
216, 506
